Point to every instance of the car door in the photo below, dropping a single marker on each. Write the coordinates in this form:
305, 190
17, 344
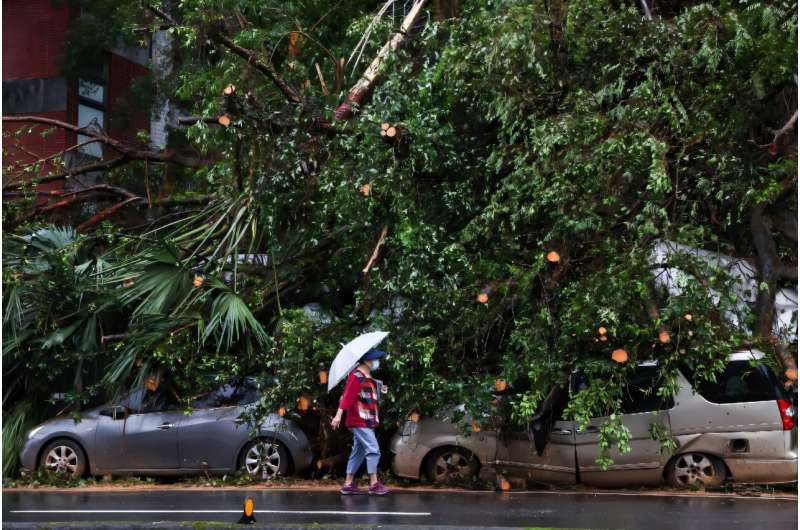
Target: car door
146, 438
547, 455
644, 463
212, 435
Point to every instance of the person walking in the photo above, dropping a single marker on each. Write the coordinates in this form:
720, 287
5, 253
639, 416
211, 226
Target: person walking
360, 402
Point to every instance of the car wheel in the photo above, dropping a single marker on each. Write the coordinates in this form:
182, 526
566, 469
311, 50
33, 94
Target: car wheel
695, 469
265, 459
446, 464
64, 457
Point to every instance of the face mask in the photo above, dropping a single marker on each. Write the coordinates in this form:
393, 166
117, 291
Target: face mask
375, 365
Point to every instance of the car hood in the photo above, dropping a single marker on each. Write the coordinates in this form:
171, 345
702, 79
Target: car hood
66, 422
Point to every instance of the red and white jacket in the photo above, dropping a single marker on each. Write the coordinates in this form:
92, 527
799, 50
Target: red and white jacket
360, 401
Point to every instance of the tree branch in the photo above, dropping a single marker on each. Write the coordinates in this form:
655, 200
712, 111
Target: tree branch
128, 152
376, 251
788, 126
264, 66
373, 72
102, 214
88, 168
191, 120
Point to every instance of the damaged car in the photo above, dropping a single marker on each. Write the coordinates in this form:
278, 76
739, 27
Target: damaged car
740, 428
149, 433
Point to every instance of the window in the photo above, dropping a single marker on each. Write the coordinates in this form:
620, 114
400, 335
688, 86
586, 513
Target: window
639, 395
159, 401
92, 91
740, 382
133, 401
91, 107
641, 392
142, 401
231, 394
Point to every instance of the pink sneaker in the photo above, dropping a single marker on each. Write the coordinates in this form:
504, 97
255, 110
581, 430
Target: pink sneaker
378, 489
351, 489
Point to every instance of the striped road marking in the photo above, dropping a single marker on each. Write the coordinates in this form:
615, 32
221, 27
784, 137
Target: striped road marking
297, 512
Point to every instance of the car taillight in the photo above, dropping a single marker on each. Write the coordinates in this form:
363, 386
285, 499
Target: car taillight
787, 414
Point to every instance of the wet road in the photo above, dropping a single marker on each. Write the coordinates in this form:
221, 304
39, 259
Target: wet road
414, 509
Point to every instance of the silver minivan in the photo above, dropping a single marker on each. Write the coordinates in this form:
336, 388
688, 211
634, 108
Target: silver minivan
742, 428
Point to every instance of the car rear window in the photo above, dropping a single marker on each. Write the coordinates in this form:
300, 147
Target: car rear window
740, 382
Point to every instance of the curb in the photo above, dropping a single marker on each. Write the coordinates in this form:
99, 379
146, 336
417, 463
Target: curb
203, 525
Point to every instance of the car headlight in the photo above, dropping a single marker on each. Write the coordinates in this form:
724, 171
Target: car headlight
35, 430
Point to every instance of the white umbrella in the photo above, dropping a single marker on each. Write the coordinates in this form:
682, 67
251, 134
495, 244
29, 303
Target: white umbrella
349, 355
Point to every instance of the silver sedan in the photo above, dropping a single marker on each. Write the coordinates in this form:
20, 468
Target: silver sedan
148, 434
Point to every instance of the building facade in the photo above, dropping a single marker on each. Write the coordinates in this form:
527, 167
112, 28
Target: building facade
34, 34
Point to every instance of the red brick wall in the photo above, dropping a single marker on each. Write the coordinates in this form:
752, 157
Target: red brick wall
28, 148
33, 37
121, 72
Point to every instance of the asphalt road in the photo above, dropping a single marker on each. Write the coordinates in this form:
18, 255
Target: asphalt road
409, 509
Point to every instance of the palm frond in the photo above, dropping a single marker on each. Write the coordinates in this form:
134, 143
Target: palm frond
231, 319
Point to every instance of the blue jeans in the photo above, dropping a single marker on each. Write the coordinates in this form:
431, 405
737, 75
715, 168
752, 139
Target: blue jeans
365, 445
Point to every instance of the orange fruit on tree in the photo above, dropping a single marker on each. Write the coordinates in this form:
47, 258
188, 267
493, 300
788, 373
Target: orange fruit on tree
302, 403
553, 257
475, 426
500, 385
323, 377
295, 41
601, 330
688, 317
414, 416
664, 337
281, 411
619, 355
483, 298
198, 281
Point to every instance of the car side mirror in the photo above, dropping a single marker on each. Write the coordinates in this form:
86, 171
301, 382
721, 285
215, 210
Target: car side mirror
116, 412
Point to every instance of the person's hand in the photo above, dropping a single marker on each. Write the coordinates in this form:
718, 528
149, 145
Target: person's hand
336, 421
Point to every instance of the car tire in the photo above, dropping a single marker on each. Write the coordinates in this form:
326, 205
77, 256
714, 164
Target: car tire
64, 456
695, 469
265, 458
446, 464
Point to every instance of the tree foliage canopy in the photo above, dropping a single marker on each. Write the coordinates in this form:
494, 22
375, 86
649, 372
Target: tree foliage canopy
523, 128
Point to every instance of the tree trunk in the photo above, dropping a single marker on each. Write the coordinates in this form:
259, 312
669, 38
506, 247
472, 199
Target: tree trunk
770, 270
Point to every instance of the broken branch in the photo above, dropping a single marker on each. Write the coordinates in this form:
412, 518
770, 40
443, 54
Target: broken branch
376, 251
373, 72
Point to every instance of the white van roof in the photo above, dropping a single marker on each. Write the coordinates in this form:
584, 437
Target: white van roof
739, 355
746, 355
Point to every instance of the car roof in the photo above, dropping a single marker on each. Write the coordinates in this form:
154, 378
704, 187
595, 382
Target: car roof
739, 355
